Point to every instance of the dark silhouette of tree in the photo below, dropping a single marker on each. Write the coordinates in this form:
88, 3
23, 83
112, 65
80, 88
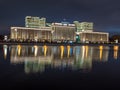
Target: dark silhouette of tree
1, 37
114, 37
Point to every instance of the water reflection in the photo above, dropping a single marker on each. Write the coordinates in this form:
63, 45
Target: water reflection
115, 48
5, 51
83, 59
101, 51
39, 58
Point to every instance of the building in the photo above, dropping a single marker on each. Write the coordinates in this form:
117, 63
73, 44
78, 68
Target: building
93, 37
37, 34
63, 31
83, 26
35, 22
85, 33
38, 30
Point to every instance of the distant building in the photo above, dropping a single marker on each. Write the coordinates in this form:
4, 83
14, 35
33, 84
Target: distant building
63, 31
83, 26
23, 33
35, 22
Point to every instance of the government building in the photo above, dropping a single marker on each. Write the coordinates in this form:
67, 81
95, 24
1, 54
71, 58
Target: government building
85, 33
33, 34
63, 31
36, 29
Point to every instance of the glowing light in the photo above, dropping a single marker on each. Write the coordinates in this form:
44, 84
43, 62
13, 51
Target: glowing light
62, 51
68, 51
83, 53
35, 50
100, 47
115, 47
101, 51
5, 51
115, 52
15, 29
86, 51
45, 50
19, 49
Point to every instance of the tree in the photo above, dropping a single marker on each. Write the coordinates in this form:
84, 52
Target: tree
114, 37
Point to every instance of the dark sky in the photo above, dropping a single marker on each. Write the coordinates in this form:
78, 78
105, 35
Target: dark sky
105, 14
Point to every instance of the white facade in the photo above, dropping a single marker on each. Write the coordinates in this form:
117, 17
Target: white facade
83, 26
35, 22
94, 37
63, 32
23, 33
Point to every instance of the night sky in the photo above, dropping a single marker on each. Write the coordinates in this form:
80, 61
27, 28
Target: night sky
105, 14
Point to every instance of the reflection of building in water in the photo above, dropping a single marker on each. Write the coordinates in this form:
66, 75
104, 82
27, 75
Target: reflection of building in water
36, 65
37, 58
27, 51
100, 53
85, 55
115, 48
83, 58
62, 52
32, 56
63, 57
5, 51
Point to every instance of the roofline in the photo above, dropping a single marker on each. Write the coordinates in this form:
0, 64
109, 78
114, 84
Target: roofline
95, 32
41, 28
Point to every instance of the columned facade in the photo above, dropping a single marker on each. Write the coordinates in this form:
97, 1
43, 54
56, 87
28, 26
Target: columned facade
23, 33
94, 37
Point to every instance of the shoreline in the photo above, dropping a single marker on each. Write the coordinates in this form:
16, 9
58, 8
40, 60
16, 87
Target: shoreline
60, 44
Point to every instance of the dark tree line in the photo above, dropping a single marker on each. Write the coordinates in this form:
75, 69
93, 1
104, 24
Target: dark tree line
114, 37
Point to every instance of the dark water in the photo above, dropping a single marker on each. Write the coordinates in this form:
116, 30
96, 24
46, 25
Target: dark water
60, 67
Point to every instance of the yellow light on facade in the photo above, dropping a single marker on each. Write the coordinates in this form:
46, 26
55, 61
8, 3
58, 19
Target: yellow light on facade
15, 29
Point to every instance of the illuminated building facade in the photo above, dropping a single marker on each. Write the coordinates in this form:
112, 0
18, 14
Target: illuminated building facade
35, 22
85, 33
83, 26
63, 31
23, 33
37, 29
93, 37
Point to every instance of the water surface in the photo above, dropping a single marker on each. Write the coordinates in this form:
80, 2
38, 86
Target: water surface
33, 66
